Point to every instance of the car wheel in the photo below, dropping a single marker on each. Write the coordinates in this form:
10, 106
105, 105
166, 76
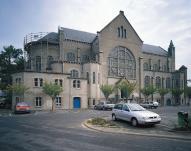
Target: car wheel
103, 108
95, 108
114, 117
134, 122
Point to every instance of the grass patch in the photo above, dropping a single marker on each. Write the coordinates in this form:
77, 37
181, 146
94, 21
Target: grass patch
101, 122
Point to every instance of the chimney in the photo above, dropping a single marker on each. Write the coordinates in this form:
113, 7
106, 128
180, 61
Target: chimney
121, 12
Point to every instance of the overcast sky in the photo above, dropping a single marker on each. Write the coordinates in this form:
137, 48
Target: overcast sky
156, 21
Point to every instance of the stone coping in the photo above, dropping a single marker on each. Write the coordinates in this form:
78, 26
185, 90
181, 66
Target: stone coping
134, 131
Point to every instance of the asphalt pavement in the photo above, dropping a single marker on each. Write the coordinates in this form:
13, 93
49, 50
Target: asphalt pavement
63, 130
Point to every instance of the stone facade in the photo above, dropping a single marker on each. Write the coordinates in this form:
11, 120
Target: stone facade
81, 62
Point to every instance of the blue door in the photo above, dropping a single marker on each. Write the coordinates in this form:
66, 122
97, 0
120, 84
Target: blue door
76, 103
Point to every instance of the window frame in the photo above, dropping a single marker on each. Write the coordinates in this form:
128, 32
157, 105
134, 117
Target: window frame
36, 82
38, 102
76, 84
74, 73
38, 63
88, 77
147, 81
58, 102
158, 82
94, 78
122, 63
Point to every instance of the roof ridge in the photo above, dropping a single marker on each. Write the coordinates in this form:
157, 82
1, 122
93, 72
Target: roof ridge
78, 35
78, 30
151, 45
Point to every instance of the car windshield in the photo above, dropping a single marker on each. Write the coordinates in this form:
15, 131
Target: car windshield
22, 104
136, 107
107, 102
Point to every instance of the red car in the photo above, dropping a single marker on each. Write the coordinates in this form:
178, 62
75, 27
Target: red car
22, 107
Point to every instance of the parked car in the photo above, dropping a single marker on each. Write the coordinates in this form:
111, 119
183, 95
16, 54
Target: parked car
135, 114
150, 105
104, 105
2, 102
22, 107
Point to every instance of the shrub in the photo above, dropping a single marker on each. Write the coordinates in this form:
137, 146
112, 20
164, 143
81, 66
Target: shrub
101, 122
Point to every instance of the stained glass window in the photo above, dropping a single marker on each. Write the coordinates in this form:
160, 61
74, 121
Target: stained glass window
121, 63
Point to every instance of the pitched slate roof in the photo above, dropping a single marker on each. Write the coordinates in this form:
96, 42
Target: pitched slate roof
77, 35
154, 50
51, 37
182, 67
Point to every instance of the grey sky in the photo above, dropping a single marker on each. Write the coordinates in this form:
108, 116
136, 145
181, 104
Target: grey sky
156, 21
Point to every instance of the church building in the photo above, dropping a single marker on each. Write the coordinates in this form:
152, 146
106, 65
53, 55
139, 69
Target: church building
81, 62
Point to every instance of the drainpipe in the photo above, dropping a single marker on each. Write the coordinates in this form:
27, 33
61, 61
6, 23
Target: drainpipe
69, 91
140, 78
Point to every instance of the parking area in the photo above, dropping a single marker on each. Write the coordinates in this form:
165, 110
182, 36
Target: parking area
168, 114
62, 129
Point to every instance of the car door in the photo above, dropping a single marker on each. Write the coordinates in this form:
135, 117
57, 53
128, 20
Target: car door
125, 113
118, 111
100, 105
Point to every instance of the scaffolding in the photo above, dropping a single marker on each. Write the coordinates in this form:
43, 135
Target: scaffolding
42, 40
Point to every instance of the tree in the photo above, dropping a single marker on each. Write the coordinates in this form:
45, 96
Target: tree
162, 93
18, 89
126, 88
176, 92
188, 93
147, 91
11, 61
107, 90
53, 91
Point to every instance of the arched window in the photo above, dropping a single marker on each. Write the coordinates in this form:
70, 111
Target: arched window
155, 67
85, 58
121, 63
49, 61
125, 33
146, 66
147, 81
164, 68
38, 63
70, 56
94, 78
122, 31
88, 78
168, 83
158, 82
74, 74
118, 29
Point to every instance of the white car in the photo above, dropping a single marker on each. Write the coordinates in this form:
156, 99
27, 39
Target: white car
135, 114
150, 105
104, 105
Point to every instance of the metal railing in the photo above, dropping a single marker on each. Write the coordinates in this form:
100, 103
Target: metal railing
32, 37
